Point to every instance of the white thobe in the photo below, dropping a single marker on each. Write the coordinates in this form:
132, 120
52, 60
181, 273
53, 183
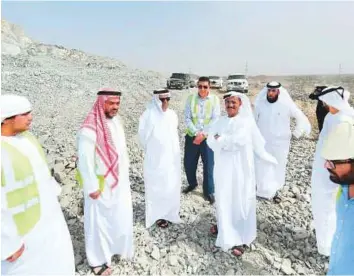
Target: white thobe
234, 176
48, 246
109, 218
323, 190
273, 120
158, 135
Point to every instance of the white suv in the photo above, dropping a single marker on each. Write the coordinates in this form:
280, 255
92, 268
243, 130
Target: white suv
216, 82
237, 82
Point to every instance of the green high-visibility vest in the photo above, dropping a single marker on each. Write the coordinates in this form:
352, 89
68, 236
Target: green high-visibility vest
25, 220
193, 99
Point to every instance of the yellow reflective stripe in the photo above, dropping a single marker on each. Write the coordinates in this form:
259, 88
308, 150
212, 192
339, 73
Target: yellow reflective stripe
339, 193
23, 171
101, 182
79, 178
26, 220
208, 111
194, 106
81, 181
3, 183
22, 195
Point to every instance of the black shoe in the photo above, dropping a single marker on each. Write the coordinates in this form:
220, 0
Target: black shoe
211, 199
189, 189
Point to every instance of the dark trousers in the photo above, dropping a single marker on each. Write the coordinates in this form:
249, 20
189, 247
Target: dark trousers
192, 153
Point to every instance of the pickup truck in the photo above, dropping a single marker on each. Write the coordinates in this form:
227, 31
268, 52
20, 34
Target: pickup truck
237, 82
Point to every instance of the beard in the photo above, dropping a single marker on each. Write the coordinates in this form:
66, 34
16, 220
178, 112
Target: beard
345, 179
272, 100
111, 114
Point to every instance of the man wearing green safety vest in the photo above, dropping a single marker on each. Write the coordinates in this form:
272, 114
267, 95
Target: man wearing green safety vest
35, 239
201, 110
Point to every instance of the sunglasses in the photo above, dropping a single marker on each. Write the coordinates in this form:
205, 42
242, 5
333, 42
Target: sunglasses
163, 99
203, 87
332, 164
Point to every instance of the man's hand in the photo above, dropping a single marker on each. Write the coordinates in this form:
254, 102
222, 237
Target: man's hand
95, 195
16, 255
198, 139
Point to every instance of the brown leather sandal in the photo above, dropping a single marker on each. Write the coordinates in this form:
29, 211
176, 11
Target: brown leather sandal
238, 250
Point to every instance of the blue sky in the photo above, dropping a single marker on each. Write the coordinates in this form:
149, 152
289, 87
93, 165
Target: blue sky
212, 38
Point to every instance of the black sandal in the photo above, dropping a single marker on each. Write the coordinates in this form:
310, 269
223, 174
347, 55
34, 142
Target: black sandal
162, 223
239, 248
103, 267
214, 230
276, 199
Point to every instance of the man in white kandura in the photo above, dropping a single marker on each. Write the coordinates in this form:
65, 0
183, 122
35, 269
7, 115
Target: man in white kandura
324, 191
103, 171
158, 135
236, 141
35, 238
273, 110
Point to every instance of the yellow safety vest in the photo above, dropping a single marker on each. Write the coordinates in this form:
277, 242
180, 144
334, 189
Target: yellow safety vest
24, 220
193, 99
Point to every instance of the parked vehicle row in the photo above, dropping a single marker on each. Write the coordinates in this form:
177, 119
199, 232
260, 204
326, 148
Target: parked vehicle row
234, 82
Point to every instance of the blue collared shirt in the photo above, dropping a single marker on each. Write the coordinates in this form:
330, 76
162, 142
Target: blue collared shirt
342, 251
200, 127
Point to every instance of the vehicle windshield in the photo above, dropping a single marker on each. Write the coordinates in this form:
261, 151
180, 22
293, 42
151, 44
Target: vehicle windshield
233, 77
214, 77
178, 76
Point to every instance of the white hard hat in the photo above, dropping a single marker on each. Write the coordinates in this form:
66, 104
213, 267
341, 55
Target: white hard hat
11, 105
339, 144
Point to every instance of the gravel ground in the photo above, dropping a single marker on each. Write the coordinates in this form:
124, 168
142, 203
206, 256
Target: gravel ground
62, 86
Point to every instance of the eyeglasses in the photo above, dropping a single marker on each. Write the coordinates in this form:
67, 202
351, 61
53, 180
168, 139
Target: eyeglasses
203, 87
332, 164
163, 99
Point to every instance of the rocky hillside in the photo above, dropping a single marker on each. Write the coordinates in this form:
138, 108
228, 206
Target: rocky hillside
62, 84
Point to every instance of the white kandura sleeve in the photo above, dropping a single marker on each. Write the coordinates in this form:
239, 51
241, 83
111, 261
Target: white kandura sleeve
303, 125
142, 131
258, 143
86, 164
231, 141
213, 143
